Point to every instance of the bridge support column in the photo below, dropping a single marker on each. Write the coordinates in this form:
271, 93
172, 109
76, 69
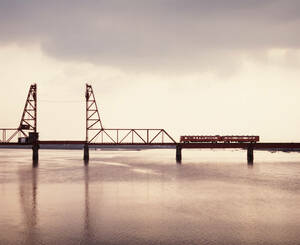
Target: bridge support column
86, 155
33, 139
178, 154
35, 153
250, 156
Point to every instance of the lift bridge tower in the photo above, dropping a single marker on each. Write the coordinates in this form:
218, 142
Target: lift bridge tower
28, 123
26, 133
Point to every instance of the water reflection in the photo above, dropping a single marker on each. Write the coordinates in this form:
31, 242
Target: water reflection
28, 201
35, 163
28, 191
121, 199
87, 228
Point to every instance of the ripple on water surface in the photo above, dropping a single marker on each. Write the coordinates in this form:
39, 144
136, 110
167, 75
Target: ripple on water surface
129, 197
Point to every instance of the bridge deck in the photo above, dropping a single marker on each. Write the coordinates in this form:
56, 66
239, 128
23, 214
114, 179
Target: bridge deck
67, 144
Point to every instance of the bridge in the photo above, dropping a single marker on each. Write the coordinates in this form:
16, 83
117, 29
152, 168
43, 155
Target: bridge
26, 135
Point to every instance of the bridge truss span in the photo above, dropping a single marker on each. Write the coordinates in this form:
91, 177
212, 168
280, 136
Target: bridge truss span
132, 136
8, 134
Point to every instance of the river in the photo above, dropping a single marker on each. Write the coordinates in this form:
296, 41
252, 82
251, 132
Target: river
144, 197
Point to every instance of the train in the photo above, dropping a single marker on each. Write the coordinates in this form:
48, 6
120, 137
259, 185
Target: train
219, 139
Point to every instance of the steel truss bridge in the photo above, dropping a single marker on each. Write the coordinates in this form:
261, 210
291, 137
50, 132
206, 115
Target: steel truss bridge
97, 136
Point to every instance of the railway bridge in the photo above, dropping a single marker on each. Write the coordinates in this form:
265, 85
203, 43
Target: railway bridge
26, 135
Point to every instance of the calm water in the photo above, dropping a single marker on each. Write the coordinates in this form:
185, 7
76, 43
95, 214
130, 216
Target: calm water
143, 197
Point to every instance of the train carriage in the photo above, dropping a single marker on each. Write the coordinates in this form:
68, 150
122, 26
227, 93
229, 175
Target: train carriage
200, 138
220, 139
240, 138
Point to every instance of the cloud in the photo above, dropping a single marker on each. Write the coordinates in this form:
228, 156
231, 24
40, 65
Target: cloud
153, 35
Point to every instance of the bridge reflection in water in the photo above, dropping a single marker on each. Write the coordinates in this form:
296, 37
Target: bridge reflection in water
122, 198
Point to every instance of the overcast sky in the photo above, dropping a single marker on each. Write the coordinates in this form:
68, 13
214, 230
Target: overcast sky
191, 67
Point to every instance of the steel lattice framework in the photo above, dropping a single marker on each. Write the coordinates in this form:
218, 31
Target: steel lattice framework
131, 136
28, 120
97, 134
93, 121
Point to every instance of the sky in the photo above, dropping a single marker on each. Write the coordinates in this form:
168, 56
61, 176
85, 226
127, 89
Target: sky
191, 67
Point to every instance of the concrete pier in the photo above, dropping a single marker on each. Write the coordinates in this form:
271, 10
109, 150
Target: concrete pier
33, 139
178, 154
250, 156
86, 155
35, 153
